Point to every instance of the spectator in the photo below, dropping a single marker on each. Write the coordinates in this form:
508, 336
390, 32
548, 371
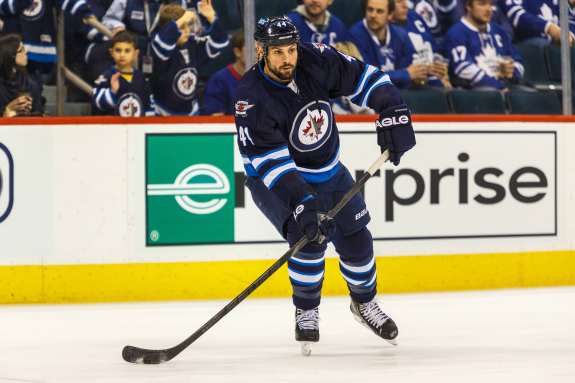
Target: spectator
317, 25
481, 53
387, 46
438, 15
177, 54
537, 21
20, 95
221, 88
34, 21
426, 50
123, 90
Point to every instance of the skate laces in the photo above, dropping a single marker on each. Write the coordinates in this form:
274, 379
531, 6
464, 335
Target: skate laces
307, 319
372, 313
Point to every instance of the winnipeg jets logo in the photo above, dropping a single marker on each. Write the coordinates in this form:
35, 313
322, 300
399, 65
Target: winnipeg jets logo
242, 108
35, 10
185, 82
426, 11
312, 126
130, 105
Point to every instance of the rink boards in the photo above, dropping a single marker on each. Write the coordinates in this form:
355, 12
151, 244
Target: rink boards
102, 209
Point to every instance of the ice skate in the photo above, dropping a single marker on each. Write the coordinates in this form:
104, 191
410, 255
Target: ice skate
306, 329
370, 315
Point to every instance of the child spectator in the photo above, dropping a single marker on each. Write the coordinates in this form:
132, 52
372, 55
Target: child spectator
481, 54
123, 90
177, 54
20, 95
221, 87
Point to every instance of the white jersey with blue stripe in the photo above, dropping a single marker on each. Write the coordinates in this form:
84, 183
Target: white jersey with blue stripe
287, 133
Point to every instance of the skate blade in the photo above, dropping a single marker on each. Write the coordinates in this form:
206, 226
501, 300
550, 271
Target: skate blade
305, 348
393, 341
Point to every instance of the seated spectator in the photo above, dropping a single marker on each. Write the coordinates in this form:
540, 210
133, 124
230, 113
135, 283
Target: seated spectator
123, 90
317, 25
221, 88
387, 46
20, 95
481, 53
177, 54
426, 50
537, 21
438, 15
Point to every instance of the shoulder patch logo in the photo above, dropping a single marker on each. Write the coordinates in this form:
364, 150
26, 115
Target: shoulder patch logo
242, 108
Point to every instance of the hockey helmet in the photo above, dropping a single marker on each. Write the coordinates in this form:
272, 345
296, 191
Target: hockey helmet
277, 30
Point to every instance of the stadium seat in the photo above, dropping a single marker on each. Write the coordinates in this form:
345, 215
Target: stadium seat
533, 102
349, 11
465, 101
554, 57
534, 63
426, 101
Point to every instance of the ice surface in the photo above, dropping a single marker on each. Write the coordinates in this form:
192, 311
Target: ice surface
525, 335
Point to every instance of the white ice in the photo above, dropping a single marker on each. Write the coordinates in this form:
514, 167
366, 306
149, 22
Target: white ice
525, 335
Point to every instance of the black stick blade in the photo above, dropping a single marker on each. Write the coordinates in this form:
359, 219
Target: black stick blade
141, 355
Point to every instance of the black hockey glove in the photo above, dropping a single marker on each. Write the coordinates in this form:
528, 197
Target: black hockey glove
394, 131
311, 221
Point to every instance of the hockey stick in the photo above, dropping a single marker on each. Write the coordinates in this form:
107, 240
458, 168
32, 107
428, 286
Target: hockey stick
141, 355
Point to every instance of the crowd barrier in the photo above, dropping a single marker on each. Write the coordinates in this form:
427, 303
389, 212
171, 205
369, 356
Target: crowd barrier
109, 209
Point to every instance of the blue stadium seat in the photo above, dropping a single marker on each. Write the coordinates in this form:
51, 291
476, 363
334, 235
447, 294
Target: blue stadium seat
473, 102
542, 102
426, 101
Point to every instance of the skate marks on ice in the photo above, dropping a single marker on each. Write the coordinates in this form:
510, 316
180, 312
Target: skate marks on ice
502, 336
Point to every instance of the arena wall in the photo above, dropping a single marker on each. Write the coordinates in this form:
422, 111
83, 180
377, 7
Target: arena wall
107, 209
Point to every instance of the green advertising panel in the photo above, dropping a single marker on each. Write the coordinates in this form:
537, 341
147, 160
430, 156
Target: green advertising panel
190, 189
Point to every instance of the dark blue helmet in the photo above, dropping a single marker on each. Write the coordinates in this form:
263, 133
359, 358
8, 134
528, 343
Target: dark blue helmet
277, 30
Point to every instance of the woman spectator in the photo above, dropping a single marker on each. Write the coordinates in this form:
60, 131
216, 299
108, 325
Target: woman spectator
19, 94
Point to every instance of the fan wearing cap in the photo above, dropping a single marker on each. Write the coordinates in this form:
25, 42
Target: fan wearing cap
290, 146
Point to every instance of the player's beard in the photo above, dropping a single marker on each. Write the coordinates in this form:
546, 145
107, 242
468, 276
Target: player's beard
284, 73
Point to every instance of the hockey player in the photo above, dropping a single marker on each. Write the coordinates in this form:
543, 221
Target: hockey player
123, 90
426, 49
537, 21
481, 54
221, 87
177, 54
387, 46
289, 141
317, 25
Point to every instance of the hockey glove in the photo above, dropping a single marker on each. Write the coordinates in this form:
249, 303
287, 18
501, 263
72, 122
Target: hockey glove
394, 131
311, 221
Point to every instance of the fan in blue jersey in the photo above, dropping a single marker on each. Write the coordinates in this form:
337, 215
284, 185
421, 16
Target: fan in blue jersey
123, 90
426, 49
178, 53
438, 15
537, 21
318, 25
221, 87
387, 46
34, 21
289, 141
481, 54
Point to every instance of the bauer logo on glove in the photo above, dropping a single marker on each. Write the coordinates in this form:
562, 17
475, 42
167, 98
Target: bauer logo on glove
395, 132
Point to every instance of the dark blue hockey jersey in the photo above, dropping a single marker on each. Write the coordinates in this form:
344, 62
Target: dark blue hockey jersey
475, 57
175, 74
530, 17
220, 91
287, 134
438, 15
34, 20
334, 30
393, 57
133, 99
